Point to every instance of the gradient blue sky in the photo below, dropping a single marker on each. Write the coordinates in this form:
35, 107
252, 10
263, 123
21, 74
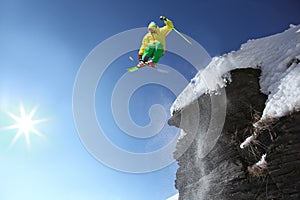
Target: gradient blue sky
42, 45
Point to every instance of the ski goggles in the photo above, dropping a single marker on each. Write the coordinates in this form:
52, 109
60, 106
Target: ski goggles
152, 30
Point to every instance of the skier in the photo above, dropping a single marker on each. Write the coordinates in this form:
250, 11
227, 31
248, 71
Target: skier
154, 43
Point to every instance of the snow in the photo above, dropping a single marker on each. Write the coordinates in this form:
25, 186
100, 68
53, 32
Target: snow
277, 56
247, 141
262, 162
258, 168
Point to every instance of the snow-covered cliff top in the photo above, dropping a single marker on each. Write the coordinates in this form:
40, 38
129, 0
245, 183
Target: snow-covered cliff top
278, 56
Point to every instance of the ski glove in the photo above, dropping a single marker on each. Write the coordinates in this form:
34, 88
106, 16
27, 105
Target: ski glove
140, 57
167, 21
163, 18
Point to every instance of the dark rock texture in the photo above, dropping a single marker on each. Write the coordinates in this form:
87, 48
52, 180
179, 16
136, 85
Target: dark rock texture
223, 173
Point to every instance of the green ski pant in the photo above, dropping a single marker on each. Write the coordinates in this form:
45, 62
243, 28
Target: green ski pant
154, 51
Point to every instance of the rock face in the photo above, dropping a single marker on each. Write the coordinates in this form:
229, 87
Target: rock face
226, 171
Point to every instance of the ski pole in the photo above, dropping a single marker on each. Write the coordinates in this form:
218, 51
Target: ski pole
180, 34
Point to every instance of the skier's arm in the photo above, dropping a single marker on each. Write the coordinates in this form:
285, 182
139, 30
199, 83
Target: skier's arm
142, 48
168, 26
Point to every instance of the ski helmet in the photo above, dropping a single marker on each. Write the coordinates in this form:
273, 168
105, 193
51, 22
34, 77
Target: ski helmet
152, 27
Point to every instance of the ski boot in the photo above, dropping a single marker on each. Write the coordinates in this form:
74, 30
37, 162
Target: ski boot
141, 64
152, 64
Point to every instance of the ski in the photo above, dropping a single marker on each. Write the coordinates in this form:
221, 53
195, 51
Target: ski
135, 68
132, 69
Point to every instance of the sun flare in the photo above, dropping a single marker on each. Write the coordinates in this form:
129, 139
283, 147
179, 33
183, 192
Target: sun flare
24, 123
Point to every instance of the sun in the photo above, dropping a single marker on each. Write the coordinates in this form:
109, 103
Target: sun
24, 123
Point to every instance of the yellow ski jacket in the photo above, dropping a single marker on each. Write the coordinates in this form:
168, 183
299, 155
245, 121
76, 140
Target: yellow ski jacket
160, 36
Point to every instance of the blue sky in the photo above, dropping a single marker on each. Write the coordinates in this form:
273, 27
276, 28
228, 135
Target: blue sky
42, 46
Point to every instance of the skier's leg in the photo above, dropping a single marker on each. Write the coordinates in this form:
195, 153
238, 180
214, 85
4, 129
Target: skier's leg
149, 51
158, 53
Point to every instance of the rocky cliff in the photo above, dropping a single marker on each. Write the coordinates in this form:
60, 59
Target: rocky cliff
267, 168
